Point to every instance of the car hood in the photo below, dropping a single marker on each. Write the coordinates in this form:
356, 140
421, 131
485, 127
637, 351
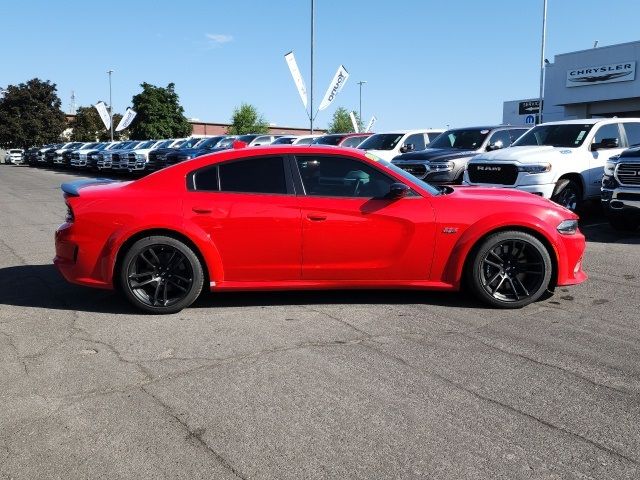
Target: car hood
508, 196
436, 154
526, 155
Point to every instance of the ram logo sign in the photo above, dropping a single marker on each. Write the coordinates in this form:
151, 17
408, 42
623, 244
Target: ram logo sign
616, 72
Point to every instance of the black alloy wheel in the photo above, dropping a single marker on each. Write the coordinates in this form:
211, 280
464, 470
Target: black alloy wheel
510, 270
161, 275
568, 194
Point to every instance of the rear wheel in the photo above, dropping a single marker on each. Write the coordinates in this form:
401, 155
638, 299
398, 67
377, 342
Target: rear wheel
161, 275
509, 269
568, 194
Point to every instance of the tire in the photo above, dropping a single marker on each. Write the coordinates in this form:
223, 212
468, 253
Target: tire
568, 194
496, 271
161, 275
623, 224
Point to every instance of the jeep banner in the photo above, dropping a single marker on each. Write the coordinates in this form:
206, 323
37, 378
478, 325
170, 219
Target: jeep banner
101, 107
297, 77
339, 79
126, 120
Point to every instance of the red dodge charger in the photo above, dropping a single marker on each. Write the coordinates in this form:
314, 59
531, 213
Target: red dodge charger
300, 217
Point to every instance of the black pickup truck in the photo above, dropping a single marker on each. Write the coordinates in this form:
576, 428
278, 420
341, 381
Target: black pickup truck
621, 190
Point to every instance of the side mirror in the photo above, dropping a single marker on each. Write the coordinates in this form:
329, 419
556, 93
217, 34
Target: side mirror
407, 147
398, 190
605, 143
497, 145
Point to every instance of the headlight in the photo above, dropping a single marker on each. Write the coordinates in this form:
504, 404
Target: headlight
568, 227
610, 166
440, 166
539, 168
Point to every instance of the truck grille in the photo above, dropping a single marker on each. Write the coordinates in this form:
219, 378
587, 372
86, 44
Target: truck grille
493, 173
628, 173
416, 169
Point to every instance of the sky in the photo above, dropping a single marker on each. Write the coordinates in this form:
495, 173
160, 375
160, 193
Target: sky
427, 63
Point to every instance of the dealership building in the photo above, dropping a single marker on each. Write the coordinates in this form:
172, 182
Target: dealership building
599, 82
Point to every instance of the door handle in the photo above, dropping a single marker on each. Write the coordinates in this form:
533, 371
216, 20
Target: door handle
316, 217
201, 210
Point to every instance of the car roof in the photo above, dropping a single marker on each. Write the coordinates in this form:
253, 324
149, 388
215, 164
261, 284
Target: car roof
491, 127
404, 132
592, 121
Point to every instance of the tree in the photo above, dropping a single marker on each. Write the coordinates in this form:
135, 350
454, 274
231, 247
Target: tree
246, 119
30, 115
159, 114
341, 122
88, 127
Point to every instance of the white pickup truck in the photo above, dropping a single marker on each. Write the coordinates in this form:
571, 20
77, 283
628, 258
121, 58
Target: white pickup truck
563, 161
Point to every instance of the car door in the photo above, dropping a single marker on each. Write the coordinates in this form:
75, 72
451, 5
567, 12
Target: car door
350, 231
599, 157
249, 209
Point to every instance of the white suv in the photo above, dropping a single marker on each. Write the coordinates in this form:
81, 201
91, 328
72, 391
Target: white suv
15, 156
563, 161
389, 145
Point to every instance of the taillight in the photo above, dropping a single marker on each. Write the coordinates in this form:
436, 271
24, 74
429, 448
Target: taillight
69, 218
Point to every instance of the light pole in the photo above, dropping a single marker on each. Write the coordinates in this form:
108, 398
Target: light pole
313, 39
542, 62
361, 82
110, 105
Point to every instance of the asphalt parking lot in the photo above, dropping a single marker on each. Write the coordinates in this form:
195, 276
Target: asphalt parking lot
311, 385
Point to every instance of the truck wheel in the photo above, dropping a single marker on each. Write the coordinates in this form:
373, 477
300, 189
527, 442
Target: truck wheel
509, 269
623, 224
567, 193
161, 275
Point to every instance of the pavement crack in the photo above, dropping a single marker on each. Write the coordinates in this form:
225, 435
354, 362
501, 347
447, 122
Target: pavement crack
196, 435
17, 352
337, 319
505, 406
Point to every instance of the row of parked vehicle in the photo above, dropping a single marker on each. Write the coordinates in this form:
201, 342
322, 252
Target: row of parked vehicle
567, 161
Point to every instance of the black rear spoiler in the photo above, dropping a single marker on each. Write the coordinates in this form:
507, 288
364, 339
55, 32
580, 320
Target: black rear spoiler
73, 188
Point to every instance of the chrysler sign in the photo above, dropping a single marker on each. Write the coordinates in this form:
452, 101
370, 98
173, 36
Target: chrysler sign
616, 72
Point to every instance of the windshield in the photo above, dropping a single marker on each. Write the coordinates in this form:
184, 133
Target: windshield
381, 141
211, 142
406, 175
328, 140
462, 139
227, 142
247, 138
148, 144
164, 144
190, 143
570, 135
284, 141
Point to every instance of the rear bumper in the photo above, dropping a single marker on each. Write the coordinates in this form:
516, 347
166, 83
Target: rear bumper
76, 264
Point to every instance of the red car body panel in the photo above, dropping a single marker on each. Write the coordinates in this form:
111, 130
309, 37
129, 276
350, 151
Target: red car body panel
258, 241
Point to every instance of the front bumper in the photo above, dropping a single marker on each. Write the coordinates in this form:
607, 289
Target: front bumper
621, 200
570, 257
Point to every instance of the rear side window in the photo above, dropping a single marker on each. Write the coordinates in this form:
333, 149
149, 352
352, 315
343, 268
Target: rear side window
432, 136
633, 132
252, 175
516, 133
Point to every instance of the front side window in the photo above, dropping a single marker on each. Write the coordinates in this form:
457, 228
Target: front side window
607, 131
516, 133
381, 141
462, 139
342, 177
501, 136
633, 133
417, 140
570, 135
251, 175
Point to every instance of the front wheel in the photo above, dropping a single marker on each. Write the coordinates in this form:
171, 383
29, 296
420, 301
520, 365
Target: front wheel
161, 275
568, 194
509, 269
